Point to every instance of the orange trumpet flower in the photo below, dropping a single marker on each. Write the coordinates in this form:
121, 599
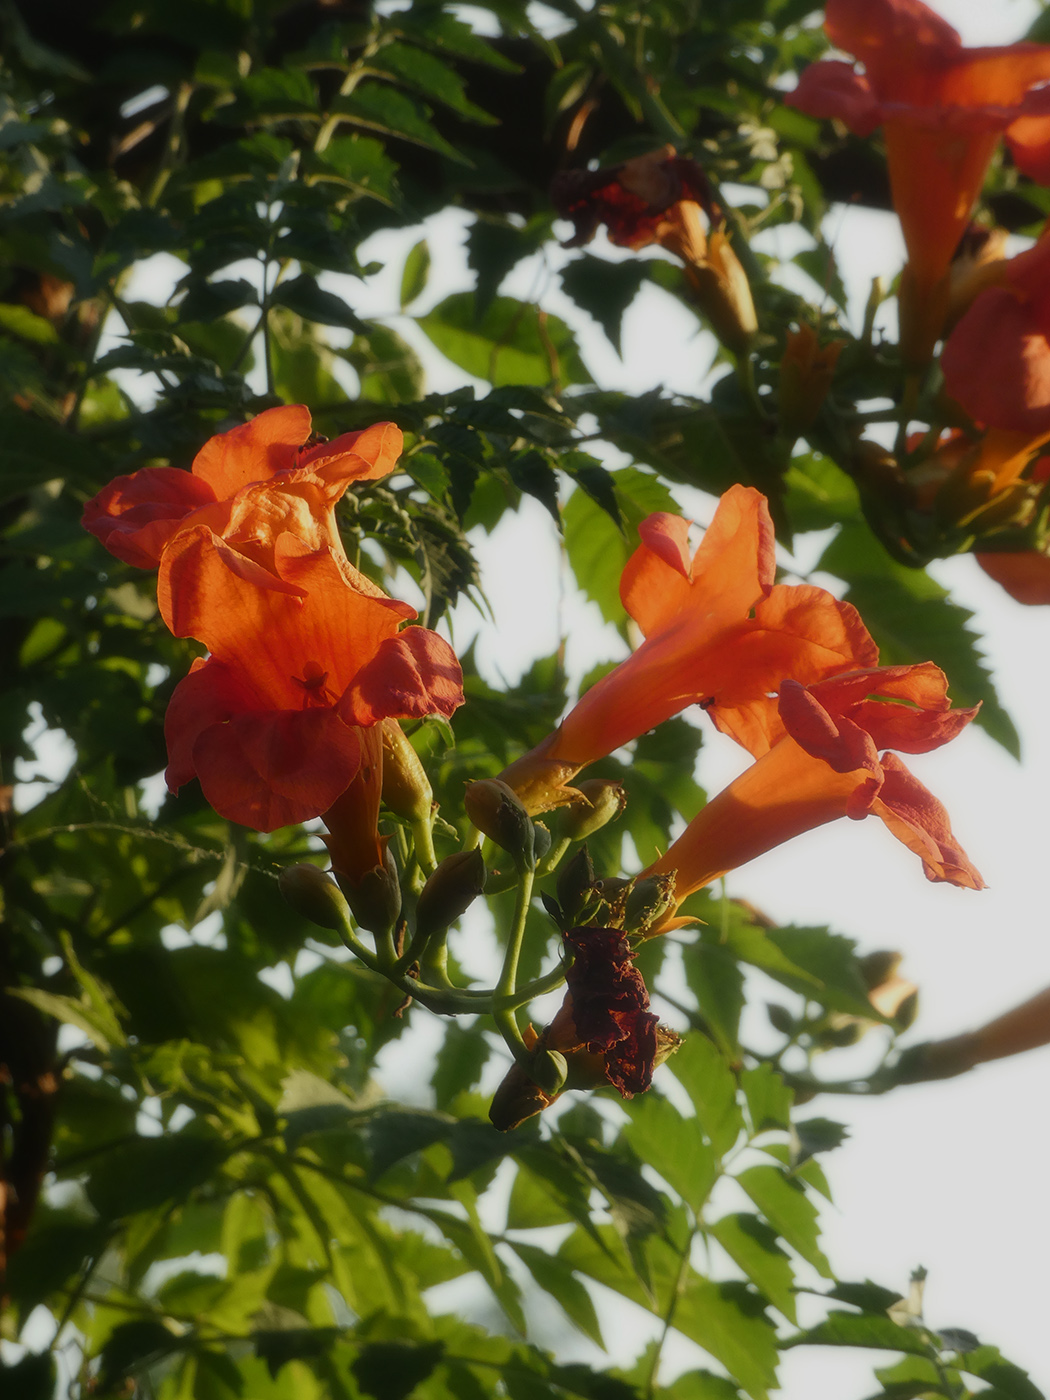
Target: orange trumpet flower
996, 361
301, 660
1024, 574
827, 765
247, 485
718, 633
943, 108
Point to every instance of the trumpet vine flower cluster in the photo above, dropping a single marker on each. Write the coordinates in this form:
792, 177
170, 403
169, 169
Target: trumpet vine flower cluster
309, 667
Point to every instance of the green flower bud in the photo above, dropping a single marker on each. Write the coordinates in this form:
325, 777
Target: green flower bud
375, 900
667, 1042
601, 800
495, 809
314, 895
647, 901
450, 891
549, 1070
406, 787
575, 886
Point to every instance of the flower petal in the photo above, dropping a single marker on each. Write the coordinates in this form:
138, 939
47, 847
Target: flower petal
135, 516
211, 694
1025, 576
836, 89
996, 363
654, 585
798, 631
840, 743
732, 569
915, 817
413, 674
254, 451
271, 769
363, 456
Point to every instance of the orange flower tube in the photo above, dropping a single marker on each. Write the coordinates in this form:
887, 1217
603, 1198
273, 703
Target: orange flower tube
248, 485
718, 633
826, 766
1023, 1027
943, 108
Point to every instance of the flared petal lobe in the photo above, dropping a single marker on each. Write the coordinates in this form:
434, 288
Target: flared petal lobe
271, 722
718, 633
135, 516
249, 485
826, 766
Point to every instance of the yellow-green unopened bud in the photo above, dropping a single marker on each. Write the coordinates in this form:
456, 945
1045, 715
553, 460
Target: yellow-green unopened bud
601, 800
376, 898
406, 787
450, 891
314, 895
549, 1069
648, 901
667, 1042
495, 809
575, 885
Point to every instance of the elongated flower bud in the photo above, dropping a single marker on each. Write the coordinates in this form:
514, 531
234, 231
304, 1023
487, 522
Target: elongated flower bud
314, 895
1024, 1027
450, 891
375, 900
495, 809
406, 787
601, 800
648, 901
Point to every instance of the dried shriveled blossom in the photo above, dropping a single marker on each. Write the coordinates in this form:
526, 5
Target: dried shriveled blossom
943, 109
718, 633
604, 1028
248, 485
666, 199
824, 763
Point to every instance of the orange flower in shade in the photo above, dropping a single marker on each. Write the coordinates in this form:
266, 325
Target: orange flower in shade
665, 198
718, 633
825, 764
604, 1028
1025, 575
806, 371
996, 361
943, 108
247, 485
301, 661
1023, 1027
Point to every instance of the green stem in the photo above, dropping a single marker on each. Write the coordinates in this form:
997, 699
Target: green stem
503, 1014
423, 841
551, 860
331, 123
173, 145
668, 1318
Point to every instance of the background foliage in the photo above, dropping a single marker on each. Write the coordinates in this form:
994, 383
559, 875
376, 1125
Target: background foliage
206, 1191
